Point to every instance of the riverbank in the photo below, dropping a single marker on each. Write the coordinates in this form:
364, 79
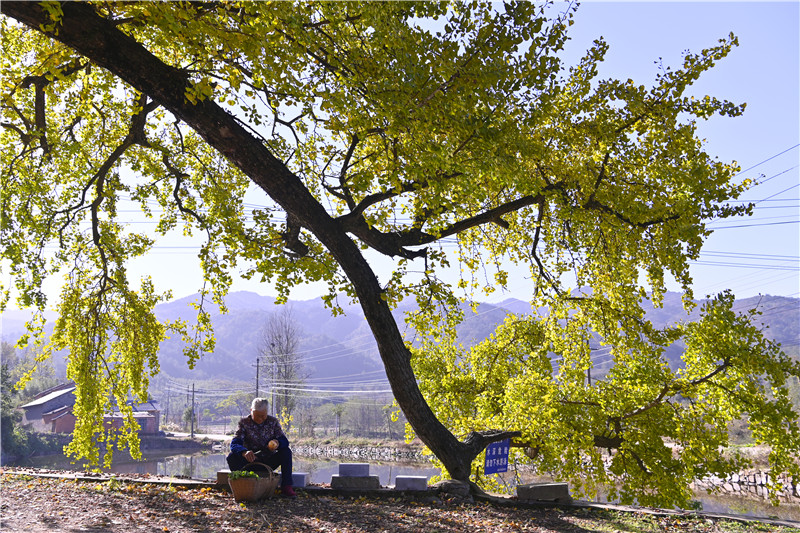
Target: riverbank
54, 505
359, 449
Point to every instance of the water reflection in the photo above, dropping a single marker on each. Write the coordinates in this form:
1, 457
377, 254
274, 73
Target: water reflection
205, 466
320, 470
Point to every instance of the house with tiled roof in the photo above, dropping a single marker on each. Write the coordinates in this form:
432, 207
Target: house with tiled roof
51, 411
61, 420
46, 405
147, 415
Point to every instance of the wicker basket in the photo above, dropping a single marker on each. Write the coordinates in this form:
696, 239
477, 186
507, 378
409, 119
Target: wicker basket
251, 489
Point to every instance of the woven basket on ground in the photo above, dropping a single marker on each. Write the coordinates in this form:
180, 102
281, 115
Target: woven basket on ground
250, 489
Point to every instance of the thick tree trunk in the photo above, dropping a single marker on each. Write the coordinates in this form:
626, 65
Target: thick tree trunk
100, 41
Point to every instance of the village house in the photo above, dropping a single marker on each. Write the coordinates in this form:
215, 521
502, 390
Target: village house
39, 412
147, 415
51, 411
61, 420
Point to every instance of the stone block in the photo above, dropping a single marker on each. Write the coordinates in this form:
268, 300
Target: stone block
222, 476
355, 482
411, 483
354, 469
300, 479
558, 492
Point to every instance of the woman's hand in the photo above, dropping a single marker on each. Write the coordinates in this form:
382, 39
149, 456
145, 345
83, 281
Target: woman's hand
249, 455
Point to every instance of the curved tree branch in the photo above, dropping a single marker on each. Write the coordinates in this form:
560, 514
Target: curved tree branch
396, 243
98, 39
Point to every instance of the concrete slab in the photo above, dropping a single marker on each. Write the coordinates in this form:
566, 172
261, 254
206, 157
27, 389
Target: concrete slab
411, 483
355, 482
354, 469
558, 492
300, 479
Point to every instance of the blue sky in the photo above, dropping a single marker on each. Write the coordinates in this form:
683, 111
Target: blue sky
764, 72
760, 254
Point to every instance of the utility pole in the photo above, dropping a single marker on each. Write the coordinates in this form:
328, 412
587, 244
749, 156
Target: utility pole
192, 410
166, 408
271, 362
257, 367
273, 370
183, 415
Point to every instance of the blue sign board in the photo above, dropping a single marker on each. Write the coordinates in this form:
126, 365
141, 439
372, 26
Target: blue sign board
497, 457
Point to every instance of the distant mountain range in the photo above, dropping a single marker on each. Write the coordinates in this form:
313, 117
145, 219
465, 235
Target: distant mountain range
334, 346
330, 346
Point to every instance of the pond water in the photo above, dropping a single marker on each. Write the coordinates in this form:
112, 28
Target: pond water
205, 466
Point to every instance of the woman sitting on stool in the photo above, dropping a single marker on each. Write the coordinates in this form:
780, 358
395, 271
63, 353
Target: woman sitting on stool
260, 438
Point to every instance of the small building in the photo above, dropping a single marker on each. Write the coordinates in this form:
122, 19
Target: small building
47, 402
147, 415
152, 408
148, 423
62, 420
51, 411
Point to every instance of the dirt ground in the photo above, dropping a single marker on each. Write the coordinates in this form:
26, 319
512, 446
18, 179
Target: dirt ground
39, 505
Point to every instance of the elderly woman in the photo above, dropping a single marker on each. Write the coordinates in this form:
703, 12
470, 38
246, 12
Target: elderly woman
260, 438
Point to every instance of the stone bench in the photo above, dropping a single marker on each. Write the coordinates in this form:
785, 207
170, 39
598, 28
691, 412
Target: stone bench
300, 479
550, 492
354, 476
354, 469
411, 483
222, 476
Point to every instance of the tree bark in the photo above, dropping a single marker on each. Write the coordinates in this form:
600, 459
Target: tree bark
101, 42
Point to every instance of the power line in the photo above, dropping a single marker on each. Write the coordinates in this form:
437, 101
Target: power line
755, 220
329, 391
347, 375
776, 175
762, 207
757, 281
748, 265
765, 200
777, 257
779, 192
768, 159
301, 383
755, 225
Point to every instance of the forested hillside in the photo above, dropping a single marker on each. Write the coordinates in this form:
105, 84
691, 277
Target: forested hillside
342, 345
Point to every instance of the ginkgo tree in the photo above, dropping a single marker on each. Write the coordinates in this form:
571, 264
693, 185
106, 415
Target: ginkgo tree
393, 129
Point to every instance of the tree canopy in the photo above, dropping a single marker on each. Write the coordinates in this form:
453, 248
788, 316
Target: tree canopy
396, 129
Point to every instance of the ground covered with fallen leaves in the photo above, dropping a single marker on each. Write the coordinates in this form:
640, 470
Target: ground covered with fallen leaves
39, 505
